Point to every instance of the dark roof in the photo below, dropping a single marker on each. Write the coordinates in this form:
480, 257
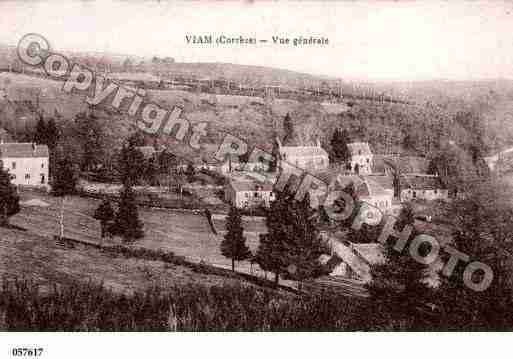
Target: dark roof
23, 150
365, 186
425, 182
406, 164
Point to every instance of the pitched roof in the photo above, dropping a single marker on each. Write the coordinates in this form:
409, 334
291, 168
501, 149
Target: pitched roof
421, 182
240, 186
387, 182
405, 164
23, 150
359, 148
366, 186
302, 151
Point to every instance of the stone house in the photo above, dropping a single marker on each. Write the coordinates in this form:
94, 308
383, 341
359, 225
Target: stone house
426, 187
311, 158
26, 162
248, 194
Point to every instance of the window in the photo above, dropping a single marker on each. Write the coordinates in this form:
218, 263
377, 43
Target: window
27, 176
14, 165
43, 165
367, 160
13, 176
256, 194
246, 194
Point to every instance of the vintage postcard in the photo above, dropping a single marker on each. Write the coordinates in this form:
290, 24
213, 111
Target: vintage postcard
338, 166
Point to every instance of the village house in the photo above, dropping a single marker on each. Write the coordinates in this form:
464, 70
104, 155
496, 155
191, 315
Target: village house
311, 158
27, 163
360, 161
370, 192
248, 194
422, 186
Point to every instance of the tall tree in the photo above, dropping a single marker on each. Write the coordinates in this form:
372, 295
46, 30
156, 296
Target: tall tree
131, 164
91, 137
9, 199
288, 129
52, 134
65, 177
292, 246
339, 151
305, 244
127, 223
41, 137
234, 244
105, 214
400, 283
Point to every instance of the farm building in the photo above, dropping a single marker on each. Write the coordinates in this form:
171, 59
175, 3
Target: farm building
26, 162
427, 187
311, 158
248, 194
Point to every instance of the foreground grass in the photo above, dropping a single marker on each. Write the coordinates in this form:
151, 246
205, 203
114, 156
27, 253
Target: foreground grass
89, 307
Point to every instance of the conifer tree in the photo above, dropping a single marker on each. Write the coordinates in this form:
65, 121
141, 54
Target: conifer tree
127, 223
306, 244
41, 137
131, 164
339, 151
105, 214
9, 199
65, 177
234, 244
288, 128
292, 246
52, 134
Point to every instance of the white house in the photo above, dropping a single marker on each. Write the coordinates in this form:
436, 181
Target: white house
360, 161
426, 187
248, 194
376, 199
26, 162
311, 158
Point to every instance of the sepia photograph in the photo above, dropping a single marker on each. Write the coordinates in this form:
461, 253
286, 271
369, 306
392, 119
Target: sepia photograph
255, 166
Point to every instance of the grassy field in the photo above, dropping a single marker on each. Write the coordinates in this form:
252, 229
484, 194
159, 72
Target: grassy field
41, 259
185, 234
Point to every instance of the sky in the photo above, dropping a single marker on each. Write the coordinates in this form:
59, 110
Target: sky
370, 40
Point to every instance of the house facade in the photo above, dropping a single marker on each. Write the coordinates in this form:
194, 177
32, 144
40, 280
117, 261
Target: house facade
376, 199
248, 194
27, 163
360, 161
425, 187
311, 158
